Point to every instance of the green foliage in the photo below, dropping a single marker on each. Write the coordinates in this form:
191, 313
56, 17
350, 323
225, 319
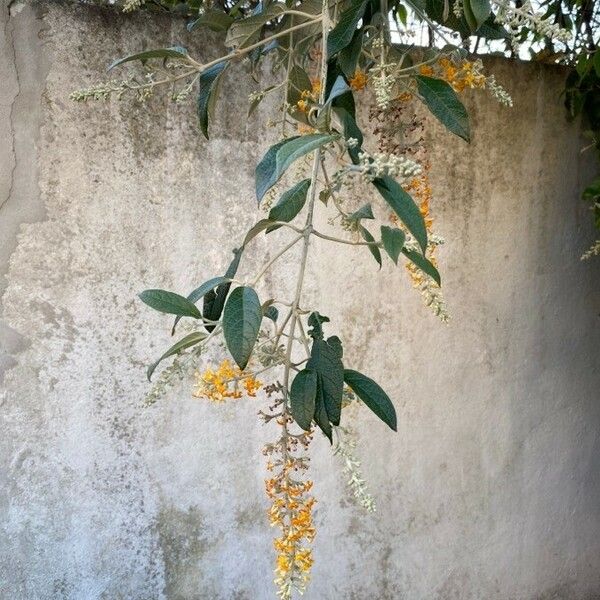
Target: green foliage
393, 241
476, 12
404, 207
303, 394
246, 31
373, 396
423, 263
372, 244
241, 323
188, 341
208, 93
280, 156
170, 303
342, 34
214, 301
215, 20
175, 52
582, 98
444, 104
290, 204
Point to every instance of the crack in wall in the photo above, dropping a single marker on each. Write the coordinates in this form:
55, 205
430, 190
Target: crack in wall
24, 67
9, 36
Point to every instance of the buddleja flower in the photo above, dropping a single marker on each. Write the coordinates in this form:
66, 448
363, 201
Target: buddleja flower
225, 382
291, 504
358, 81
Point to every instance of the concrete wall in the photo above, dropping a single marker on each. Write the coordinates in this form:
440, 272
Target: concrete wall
491, 487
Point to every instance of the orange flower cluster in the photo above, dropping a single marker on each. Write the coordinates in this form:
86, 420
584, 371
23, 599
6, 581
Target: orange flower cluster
358, 81
291, 503
291, 511
224, 382
462, 76
420, 189
308, 96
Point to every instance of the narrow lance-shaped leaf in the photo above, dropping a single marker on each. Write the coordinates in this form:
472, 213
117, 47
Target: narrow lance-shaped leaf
215, 20
280, 156
321, 417
290, 204
176, 52
341, 35
241, 322
303, 393
348, 57
187, 342
256, 229
207, 94
423, 263
444, 104
373, 248
404, 206
244, 32
372, 395
170, 303
393, 241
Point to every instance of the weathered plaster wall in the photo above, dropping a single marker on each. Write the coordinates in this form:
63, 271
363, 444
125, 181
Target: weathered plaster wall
491, 487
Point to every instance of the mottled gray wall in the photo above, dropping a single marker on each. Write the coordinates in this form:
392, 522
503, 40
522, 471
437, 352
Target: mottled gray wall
489, 490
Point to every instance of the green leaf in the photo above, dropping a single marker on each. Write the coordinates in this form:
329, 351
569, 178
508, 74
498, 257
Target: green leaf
270, 312
170, 303
348, 57
402, 14
241, 321
199, 292
423, 263
214, 301
189, 340
215, 20
325, 361
321, 418
280, 156
351, 130
341, 35
364, 212
373, 396
404, 206
303, 393
444, 104
177, 52
393, 241
476, 12
373, 248
257, 228
290, 204
298, 81
246, 31
207, 94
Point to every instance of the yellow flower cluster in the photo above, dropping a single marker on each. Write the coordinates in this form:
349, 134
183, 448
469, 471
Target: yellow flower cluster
291, 511
308, 96
289, 493
227, 381
358, 81
467, 74
420, 189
